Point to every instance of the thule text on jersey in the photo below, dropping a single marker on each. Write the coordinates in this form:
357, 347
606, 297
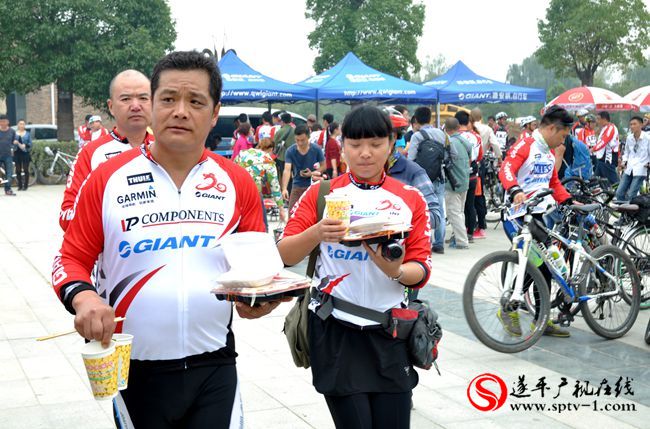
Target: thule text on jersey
147, 245
137, 179
173, 217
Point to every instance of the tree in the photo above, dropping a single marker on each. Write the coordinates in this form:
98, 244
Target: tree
581, 36
80, 45
382, 33
532, 74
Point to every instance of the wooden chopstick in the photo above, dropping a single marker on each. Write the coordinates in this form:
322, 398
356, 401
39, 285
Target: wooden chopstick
61, 334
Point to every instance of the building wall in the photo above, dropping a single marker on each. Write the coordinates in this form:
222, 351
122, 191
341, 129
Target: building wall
39, 110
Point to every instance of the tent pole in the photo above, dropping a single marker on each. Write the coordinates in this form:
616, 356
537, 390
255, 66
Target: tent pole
269, 104
437, 114
317, 109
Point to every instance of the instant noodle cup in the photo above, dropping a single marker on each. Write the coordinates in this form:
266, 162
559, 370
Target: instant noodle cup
101, 367
123, 352
338, 207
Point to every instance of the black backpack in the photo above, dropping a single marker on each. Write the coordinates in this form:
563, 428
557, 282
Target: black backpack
436, 157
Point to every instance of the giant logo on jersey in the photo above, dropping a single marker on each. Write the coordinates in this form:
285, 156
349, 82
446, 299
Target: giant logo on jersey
125, 249
348, 255
173, 217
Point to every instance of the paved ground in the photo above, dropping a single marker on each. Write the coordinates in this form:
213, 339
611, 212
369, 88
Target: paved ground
43, 385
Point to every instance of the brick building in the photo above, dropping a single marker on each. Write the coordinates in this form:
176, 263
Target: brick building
36, 108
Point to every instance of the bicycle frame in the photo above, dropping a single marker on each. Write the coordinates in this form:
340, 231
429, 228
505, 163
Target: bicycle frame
522, 245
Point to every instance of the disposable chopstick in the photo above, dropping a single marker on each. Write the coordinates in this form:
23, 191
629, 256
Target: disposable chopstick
61, 334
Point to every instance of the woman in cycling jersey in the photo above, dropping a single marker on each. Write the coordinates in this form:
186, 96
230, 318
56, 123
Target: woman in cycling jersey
364, 373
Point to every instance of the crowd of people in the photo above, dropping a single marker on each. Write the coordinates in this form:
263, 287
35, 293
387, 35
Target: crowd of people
142, 217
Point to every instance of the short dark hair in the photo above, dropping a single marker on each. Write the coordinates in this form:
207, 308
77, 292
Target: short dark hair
400, 108
463, 118
491, 117
366, 122
637, 118
276, 114
3, 116
286, 117
556, 116
266, 116
422, 115
316, 127
189, 60
604, 115
451, 124
88, 117
300, 129
328, 117
332, 127
243, 117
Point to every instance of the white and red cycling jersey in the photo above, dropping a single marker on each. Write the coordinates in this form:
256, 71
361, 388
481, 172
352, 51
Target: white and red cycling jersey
586, 136
348, 272
477, 147
530, 165
607, 145
263, 131
89, 158
525, 134
160, 247
83, 135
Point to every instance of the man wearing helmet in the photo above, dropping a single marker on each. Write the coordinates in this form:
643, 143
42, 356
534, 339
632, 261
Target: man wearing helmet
502, 130
528, 124
580, 123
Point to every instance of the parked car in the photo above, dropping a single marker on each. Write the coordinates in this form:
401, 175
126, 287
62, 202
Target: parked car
45, 132
225, 127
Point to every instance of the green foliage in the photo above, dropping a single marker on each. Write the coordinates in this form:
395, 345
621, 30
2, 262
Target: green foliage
43, 160
581, 36
382, 33
532, 74
80, 44
432, 67
633, 78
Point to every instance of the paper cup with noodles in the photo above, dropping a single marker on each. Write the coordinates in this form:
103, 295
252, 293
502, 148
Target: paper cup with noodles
123, 352
101, 367
338, 207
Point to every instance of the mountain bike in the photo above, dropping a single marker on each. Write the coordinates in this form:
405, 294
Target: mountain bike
14, 179
56, 168
507, 283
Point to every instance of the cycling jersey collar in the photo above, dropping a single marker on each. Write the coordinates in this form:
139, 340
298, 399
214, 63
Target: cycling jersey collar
540, 138
146, 151
361, 184
118, 137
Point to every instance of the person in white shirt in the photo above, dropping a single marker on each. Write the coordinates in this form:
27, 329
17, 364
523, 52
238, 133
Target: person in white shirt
488, 137
636, 158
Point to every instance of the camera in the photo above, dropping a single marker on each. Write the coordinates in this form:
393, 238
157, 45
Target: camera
391, 250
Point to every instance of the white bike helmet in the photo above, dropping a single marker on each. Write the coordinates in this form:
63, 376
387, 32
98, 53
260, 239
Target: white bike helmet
501, 115
526, 120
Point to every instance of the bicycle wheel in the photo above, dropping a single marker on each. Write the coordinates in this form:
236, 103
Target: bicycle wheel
487, 291
33, 174
494, 201
647, 333
53, 174
610, 316
637, 245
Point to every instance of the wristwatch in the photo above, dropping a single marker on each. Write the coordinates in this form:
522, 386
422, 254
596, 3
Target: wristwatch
399, 276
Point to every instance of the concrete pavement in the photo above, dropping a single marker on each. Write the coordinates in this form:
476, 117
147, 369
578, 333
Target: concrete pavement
44, 385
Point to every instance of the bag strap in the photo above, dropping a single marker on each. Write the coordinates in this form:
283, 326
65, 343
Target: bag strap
363, 312
323, 189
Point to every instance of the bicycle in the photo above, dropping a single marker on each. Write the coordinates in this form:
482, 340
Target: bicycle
33, 174
59, 167
596, 285
492, 188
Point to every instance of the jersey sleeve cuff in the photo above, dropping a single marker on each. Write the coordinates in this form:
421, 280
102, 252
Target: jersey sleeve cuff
69, 291
424, 280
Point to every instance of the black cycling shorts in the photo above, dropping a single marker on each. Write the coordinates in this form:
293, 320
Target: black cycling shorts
194, 398
371, 410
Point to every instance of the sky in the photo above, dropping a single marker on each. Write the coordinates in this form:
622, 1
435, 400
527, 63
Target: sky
488, 36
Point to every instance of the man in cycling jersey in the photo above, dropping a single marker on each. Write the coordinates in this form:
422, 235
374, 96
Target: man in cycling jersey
502, 131
530, 167
130, 105
158, 213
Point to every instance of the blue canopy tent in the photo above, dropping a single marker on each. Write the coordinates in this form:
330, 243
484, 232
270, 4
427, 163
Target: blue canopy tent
460, 85
350, 79
241, 83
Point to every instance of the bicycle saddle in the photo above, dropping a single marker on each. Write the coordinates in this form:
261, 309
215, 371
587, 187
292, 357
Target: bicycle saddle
627, 208
587, 208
